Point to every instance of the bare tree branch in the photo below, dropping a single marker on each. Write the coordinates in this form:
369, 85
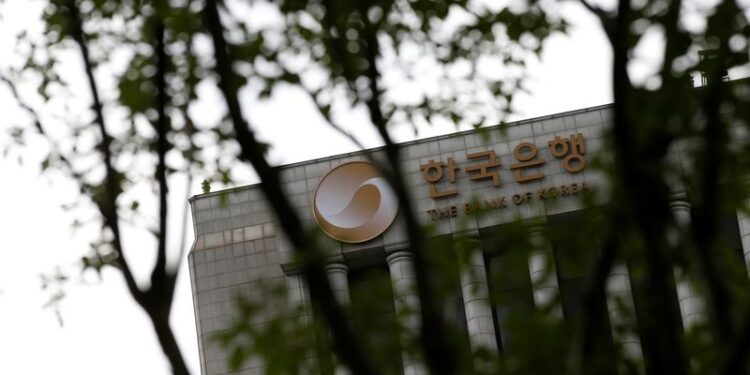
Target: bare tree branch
712, 166
189, 128
646, 209
161, 293
313, 265
440, 356
107, 202
157, 300
595, 293
607, 19
161, 126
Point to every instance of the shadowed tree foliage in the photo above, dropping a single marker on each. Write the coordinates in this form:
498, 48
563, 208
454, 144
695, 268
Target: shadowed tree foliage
409, 62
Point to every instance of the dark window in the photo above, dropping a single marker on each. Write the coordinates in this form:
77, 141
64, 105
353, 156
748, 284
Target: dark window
731, 258
445, 273
374, 318
509, 282
576, 256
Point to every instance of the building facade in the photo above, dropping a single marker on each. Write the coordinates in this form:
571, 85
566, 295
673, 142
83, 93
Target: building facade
535, 171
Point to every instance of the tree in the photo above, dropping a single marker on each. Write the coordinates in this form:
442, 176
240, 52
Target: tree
338, 53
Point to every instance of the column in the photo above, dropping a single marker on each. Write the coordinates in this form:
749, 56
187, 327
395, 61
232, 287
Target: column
743, 222
619, 305
337, 272
543, 273
407, 302
691, 304
337, 276
299, 301
476, 296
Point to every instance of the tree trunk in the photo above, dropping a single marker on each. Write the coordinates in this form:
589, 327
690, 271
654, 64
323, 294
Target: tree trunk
164, 332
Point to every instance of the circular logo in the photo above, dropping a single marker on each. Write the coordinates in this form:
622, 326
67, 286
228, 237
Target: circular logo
354, 203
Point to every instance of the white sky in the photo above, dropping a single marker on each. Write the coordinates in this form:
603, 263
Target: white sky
104, 330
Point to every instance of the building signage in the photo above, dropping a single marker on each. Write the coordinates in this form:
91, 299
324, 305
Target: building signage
570, 150
354, 203
500, 202
484, 165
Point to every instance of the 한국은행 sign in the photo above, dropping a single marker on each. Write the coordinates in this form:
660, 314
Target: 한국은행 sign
569, 151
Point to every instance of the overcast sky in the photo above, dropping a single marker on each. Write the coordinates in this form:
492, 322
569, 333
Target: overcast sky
104, 331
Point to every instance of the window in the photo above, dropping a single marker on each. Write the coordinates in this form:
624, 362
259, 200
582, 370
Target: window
374, 317
508, 278
576, 257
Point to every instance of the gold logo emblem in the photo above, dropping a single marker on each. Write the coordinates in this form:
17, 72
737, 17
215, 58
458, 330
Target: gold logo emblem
354, 203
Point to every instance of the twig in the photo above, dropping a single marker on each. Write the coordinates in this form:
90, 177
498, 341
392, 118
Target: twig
55, 148
330, 121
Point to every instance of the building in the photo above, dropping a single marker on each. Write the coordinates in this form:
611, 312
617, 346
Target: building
535, 172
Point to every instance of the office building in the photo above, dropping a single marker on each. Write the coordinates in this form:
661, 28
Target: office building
535, 171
